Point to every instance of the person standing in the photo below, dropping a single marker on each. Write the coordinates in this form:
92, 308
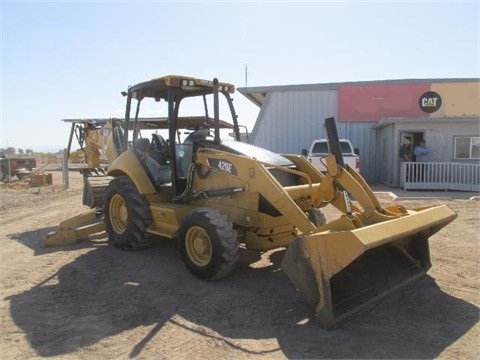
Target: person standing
405, 155
422, 155
405, 152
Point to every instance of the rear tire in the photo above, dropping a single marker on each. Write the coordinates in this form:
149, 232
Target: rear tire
127, 215
208, 244
3, 174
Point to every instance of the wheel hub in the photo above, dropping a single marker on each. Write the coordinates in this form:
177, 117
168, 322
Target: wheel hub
118, 214
198, 246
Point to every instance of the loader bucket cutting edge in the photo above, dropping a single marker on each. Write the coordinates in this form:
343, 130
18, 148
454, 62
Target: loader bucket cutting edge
342, 273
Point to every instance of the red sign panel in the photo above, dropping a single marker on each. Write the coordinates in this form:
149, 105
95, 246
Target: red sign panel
376, 102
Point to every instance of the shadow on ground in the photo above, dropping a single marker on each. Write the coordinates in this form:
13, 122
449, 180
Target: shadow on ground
107, 291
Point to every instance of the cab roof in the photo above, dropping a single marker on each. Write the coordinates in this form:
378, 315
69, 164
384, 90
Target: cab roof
188, 86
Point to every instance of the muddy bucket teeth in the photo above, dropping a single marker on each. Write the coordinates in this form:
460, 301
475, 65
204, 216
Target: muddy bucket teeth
340, 273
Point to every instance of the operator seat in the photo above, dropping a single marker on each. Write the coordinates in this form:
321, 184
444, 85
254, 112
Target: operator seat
159, 149
158, 174
196, 136
141, 145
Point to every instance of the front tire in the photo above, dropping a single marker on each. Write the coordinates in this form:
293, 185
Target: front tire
127, 215
208, 244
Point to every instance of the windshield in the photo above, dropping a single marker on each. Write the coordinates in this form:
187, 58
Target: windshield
322, 148
194, 113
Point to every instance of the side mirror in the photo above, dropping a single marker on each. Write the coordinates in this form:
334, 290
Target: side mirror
356, 151
304, 152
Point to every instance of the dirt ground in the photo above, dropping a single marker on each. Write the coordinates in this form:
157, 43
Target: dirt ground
92, 301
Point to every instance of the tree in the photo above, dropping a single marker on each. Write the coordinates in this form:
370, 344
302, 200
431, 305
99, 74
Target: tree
10, 151
20, 151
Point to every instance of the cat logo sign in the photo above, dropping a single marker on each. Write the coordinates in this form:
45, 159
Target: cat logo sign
430, 102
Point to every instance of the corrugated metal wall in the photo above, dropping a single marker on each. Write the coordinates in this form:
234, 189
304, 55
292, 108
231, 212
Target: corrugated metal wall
362, 136
290, 120
386, 155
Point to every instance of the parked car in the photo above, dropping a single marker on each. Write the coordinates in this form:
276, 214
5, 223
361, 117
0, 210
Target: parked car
319, 149
20, 167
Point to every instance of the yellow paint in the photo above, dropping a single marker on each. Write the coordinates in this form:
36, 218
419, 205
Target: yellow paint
458, 99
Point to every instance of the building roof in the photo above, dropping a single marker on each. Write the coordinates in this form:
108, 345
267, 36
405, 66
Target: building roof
258, 94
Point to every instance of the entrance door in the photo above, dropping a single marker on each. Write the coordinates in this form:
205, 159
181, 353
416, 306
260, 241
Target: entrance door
415, 138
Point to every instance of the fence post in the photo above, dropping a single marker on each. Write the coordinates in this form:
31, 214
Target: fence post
65, 170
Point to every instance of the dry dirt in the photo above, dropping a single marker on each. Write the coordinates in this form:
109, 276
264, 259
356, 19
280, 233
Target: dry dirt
92, 301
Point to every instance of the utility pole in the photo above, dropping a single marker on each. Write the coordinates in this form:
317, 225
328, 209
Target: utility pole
246, 75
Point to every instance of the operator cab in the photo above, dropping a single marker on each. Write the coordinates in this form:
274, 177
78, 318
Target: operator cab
188, 104
183, 133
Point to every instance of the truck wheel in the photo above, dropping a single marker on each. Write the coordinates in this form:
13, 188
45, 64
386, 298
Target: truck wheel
317, 217
127, 215
208, 244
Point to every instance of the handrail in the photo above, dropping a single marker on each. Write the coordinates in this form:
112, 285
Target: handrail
440, 176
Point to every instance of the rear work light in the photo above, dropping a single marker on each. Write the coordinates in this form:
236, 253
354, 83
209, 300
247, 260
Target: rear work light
187, 83
227, 88
190, 82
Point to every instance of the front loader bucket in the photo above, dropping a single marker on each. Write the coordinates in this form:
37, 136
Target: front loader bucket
340, 273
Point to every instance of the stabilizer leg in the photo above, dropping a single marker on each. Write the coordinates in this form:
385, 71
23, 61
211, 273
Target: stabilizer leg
72, 230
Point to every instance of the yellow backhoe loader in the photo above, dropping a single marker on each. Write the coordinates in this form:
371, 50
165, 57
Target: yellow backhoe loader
211, 194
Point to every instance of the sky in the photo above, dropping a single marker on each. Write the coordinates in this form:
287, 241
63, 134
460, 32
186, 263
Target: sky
72, 59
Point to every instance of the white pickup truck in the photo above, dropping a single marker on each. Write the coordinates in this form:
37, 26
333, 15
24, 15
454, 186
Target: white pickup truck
319, 149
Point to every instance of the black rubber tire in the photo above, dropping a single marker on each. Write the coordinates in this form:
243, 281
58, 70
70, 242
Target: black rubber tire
3, 174
211, 231
317, 217
127, 215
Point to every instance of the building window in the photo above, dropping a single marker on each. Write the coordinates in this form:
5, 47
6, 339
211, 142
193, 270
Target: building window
467, 147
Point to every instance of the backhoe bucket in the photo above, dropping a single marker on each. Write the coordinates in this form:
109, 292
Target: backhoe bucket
340, 273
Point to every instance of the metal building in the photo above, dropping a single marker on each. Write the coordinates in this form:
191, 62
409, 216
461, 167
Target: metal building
375, 116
